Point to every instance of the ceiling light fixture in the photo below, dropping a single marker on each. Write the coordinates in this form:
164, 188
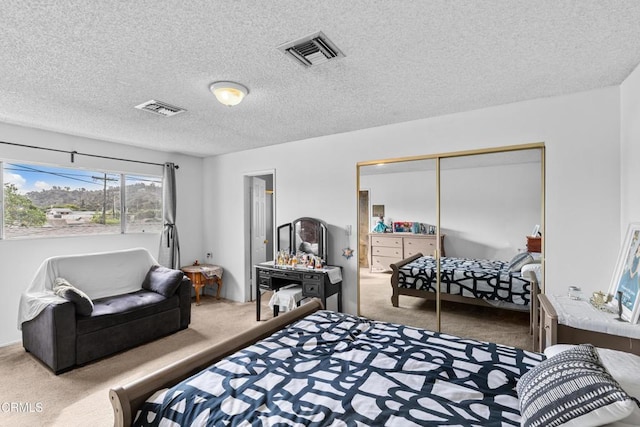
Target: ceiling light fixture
229, 93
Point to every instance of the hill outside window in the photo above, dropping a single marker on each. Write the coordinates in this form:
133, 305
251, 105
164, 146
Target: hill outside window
48, 201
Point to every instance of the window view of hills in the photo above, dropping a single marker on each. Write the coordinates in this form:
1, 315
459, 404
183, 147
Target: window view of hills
95, 208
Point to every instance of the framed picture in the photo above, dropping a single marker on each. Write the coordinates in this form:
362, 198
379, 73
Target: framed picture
402, 227
625, 284
378, 210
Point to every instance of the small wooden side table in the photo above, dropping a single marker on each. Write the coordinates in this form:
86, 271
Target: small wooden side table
202, 275
534, 244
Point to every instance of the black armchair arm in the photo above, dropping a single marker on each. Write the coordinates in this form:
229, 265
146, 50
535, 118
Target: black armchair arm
51, 336
184, 292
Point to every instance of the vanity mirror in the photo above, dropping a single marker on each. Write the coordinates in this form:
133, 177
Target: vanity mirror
308, 235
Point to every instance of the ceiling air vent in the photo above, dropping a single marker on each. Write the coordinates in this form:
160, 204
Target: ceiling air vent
160, 108
311, 50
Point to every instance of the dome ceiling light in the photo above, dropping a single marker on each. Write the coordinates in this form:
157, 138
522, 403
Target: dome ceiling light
229, 93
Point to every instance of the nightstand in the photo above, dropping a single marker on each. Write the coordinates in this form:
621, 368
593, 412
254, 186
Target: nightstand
202, 275
567, 321
534, 244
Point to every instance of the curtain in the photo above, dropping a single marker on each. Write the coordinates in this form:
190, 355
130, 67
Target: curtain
169, 254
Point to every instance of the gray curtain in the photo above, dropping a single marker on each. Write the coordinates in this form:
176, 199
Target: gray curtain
169, 254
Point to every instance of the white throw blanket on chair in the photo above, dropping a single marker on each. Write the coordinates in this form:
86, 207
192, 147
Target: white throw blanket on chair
98, 275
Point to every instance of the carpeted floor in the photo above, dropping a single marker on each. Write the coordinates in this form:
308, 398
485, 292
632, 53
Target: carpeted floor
482, 323
80, 397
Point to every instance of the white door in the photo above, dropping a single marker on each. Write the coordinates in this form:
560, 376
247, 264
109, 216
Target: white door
258, 221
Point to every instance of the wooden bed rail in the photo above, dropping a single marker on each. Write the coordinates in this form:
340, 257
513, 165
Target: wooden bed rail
534, 310
395, 268
127, 399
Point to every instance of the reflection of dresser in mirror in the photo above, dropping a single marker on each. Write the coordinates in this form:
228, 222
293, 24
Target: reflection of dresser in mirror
388, 248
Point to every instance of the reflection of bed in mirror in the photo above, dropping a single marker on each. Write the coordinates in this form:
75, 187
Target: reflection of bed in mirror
308, 235
471, 281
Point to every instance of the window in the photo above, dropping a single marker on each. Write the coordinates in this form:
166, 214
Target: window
143, 197
44, 201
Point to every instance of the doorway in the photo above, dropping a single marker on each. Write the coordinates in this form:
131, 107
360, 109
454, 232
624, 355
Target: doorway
259, 224
363, 228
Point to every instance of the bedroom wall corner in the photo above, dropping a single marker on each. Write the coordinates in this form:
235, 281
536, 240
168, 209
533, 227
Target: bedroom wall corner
629, 149
317, 177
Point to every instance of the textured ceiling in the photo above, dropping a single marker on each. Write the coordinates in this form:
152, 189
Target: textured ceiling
81, 67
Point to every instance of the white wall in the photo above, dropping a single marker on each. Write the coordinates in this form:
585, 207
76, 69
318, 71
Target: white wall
406, 196
317, 177
630, 149
486, 212
19, 259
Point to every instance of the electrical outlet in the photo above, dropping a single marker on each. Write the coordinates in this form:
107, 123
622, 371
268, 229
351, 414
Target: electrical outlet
208, 254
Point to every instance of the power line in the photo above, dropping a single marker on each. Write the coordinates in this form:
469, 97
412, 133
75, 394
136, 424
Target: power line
62, 175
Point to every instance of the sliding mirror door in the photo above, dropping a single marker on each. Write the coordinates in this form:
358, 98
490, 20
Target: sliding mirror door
398, 213
489, 203
479, 205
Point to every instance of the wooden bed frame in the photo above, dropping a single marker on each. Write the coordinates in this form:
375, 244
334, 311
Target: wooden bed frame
127, 399
397, 291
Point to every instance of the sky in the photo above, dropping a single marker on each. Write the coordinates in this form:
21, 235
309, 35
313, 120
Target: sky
29, 177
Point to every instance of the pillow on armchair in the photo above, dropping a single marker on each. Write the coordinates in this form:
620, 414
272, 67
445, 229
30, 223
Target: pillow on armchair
64, 289
162, 280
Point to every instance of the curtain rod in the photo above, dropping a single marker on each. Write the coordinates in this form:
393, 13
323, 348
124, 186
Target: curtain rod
76, 153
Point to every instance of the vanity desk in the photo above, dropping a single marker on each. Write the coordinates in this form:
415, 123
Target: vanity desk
319, 283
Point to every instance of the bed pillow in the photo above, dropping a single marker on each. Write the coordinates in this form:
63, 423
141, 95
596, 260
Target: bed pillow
519, 261
162, 280
64, 289
624, 367
572, 388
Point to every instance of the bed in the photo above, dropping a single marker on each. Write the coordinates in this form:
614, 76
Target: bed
315, 367
470, 281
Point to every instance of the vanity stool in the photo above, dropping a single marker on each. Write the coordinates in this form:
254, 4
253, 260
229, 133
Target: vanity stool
287, 297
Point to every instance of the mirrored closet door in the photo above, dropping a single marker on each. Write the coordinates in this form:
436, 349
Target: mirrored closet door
489, 203
477, 209
399, 213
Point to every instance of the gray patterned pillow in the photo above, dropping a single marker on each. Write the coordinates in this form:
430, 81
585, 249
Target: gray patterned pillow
519, 261
64, 289
572, 387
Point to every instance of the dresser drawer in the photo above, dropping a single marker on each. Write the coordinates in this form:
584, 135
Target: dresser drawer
313, 276
264, 283
412, 246
389, 241
312, 290
382, 263
388, 252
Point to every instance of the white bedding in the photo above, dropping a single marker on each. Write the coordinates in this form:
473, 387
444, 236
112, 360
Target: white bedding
98, 275
336, 369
